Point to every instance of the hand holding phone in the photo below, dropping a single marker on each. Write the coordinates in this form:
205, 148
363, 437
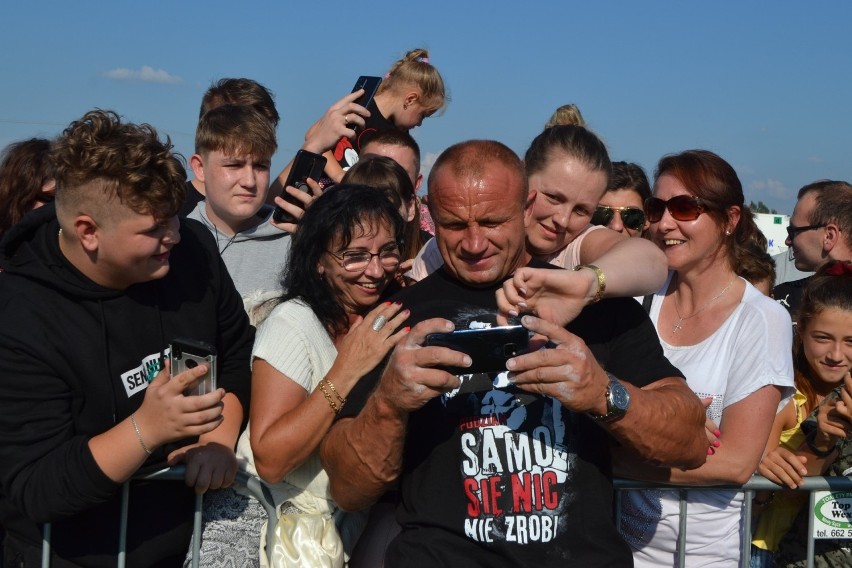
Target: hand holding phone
185, 354
489, 349
305, 165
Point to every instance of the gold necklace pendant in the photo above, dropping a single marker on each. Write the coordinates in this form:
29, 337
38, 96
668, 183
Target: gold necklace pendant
678, 324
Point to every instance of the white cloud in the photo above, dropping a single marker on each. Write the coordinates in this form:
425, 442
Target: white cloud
145, 73
771, 187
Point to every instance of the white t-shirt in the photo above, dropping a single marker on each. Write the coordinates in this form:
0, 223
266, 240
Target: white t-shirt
295, 343
428, 259
751, 349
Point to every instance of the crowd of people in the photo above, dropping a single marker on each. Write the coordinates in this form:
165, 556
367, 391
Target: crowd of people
656, 350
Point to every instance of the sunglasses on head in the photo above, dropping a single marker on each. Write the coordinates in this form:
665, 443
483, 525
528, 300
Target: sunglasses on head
631, 217
681, 208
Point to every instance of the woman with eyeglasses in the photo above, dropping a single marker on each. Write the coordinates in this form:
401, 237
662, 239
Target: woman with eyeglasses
621, 207
327, 331
732, 344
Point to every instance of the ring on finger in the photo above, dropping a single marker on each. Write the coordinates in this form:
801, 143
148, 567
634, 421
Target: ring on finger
346, 119
379, 323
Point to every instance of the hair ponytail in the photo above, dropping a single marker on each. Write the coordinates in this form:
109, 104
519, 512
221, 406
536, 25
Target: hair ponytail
415, 69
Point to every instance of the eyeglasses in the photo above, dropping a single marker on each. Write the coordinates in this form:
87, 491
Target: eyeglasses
358, 260
631, 217
681, 208
793, 230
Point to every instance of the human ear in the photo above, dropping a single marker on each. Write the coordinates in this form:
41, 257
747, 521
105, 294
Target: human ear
87, 232
410, 98
196, 162
528, 207
733, 219
832, 236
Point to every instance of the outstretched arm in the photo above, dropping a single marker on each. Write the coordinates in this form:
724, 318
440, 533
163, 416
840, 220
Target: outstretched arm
633, 266
745, 428
338, 122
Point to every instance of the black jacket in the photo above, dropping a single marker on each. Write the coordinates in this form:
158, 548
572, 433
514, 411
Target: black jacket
74, 359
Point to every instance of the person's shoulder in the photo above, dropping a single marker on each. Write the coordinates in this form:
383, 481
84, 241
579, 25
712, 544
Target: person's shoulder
760, 302
611, 312
422, 288
762, 316
293, 315
194, 234
197, 212
292, 308
800, 283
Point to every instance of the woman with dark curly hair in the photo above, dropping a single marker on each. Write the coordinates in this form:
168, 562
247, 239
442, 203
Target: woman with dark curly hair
323, 335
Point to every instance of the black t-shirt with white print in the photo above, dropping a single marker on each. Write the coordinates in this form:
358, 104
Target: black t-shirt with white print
495, 476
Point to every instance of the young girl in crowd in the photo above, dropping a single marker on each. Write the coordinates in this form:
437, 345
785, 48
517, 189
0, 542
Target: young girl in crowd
411, 91
822, 356
387, 175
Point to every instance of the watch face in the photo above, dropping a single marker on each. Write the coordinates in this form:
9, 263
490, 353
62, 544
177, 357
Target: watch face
620, 397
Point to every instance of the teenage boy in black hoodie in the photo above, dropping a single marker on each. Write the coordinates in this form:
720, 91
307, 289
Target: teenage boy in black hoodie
91, 295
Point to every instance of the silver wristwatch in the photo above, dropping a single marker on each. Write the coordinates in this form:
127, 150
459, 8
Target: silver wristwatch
617, 401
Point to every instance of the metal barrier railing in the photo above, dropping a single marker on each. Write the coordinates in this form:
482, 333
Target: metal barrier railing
260, 491
256, 487
756, 483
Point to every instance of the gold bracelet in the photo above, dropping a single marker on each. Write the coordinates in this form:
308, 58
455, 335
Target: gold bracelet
334, 390
334, 407
601, 280
139, 434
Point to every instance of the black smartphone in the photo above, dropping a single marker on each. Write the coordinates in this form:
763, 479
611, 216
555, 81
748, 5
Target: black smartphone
305, 165
488, 348
370, 86
186, 354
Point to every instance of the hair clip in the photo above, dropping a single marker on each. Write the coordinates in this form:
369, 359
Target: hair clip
422, 59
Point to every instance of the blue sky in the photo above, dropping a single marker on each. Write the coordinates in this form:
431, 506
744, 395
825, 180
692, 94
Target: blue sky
764, 84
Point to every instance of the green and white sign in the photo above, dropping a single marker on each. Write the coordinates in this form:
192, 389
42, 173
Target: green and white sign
833, 514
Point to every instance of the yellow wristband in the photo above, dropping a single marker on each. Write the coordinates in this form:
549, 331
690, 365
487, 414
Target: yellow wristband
601, 280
